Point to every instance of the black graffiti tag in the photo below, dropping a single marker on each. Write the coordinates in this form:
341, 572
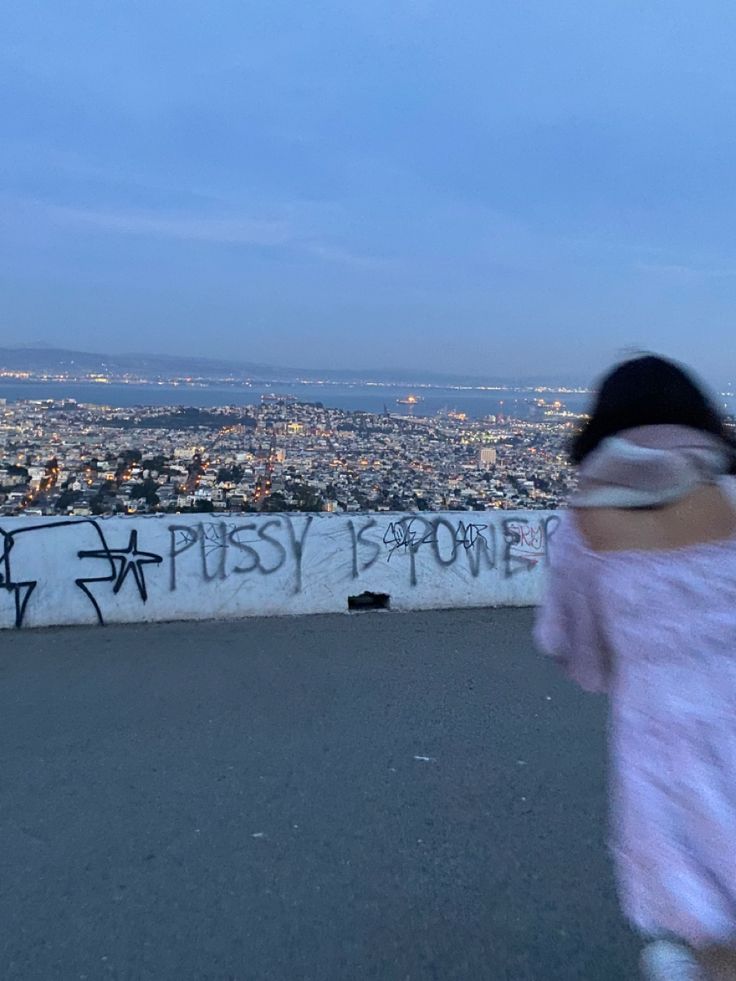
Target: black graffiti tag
359, 541
19, 549
226, 549
445, 540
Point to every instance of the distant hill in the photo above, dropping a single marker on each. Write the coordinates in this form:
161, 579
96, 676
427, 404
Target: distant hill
49, 359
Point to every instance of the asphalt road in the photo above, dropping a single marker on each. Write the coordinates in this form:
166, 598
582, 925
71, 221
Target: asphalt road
393, 796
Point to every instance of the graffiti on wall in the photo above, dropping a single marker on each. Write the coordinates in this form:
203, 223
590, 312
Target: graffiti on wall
24, 565
444, 542
527, 543
126, 562
227, 548
223, 549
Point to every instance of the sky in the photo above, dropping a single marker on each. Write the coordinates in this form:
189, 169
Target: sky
467, 186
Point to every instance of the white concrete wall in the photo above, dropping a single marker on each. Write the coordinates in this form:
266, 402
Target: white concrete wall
170, 567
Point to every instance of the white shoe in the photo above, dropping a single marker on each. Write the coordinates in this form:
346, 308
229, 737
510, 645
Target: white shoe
664, 960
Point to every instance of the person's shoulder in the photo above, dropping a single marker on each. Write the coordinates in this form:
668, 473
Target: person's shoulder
607, 529
706, 515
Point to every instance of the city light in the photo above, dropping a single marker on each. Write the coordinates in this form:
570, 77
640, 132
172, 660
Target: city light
64, 457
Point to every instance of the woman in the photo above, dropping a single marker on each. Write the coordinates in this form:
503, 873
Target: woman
642, 605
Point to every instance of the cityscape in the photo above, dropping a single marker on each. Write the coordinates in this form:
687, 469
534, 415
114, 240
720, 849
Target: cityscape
63, 457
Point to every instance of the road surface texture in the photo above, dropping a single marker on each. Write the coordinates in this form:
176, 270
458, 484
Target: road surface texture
381, 795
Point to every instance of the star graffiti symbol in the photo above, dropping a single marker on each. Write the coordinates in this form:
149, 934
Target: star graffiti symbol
127, 560
131, 560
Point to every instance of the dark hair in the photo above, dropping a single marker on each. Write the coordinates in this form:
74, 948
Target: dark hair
648, 391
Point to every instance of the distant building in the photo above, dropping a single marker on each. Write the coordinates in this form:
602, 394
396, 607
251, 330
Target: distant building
487, 456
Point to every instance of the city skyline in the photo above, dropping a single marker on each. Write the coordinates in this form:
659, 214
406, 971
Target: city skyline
505, 190
62, 457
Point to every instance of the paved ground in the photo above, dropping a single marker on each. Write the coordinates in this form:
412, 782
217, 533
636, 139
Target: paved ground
251, 801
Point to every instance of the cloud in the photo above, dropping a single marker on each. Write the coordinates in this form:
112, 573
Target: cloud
684, 271
297, 232
335, 253
223, 231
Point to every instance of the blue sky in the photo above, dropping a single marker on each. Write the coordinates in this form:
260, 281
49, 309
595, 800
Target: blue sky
455, 185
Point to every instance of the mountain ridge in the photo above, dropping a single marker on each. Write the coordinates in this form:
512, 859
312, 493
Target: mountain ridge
36, 358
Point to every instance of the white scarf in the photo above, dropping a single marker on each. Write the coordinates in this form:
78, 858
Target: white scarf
650, 466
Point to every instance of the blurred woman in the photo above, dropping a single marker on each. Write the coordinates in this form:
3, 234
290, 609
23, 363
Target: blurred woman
642, 605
